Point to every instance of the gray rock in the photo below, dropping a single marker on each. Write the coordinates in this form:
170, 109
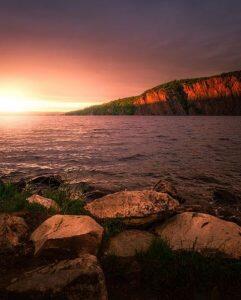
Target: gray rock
51, 181
81, 278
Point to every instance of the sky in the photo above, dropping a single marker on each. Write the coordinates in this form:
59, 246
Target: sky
61, 55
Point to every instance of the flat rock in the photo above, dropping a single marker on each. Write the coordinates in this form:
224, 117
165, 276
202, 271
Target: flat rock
202, 232
12, 231
129, 242
49, 181
133, 207
80, 278
63, 234
45, 202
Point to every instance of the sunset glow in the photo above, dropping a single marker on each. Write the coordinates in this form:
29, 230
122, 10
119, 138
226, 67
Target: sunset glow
117, 115
17, 101
13, 101
65, 56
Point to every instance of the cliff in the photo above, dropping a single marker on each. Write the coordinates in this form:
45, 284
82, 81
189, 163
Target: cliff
216, 95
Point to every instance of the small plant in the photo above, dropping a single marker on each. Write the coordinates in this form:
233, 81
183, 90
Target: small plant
159, 250
75, 207
63, 198
113, 227
11, 199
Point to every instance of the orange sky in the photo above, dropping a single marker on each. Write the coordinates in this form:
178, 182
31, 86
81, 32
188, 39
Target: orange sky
63, 55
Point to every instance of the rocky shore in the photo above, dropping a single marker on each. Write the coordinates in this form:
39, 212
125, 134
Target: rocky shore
73, 241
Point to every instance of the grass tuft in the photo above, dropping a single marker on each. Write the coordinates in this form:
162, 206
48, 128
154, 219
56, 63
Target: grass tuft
67, 206
113, 227
11, 199
183, 271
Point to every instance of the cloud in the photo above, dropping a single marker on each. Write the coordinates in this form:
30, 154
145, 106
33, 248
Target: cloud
107, 49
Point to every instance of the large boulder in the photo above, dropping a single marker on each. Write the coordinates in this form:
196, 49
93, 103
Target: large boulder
202, 232
64, 234
13, 230
81, 278
133, 207
45, 202
129, 242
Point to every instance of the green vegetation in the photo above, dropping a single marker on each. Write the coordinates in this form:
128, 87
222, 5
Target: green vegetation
176, 97
13, 200
161, 267
62, 197
168, 273
123, 106
113, 227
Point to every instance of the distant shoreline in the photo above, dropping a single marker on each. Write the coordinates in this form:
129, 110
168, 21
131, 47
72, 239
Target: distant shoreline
215, 95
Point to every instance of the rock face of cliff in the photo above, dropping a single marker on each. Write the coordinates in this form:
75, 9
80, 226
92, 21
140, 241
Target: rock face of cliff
216, 95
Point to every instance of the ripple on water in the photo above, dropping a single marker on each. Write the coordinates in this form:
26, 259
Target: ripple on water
195, 152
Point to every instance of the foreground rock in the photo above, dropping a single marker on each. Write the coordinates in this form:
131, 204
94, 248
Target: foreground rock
12, 231
202, 232
129, 242
81, 278
62, 234
45, 202
133, 207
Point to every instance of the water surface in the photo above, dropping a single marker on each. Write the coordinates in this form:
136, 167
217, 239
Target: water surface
195, 153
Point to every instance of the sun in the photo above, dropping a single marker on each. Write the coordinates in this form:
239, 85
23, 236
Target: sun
13, 101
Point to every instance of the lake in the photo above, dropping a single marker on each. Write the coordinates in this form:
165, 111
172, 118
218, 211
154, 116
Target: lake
196, 154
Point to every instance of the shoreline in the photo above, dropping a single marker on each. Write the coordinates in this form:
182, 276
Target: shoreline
225, 202
127, 239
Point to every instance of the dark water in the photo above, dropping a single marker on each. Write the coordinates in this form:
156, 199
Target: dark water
195, 153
